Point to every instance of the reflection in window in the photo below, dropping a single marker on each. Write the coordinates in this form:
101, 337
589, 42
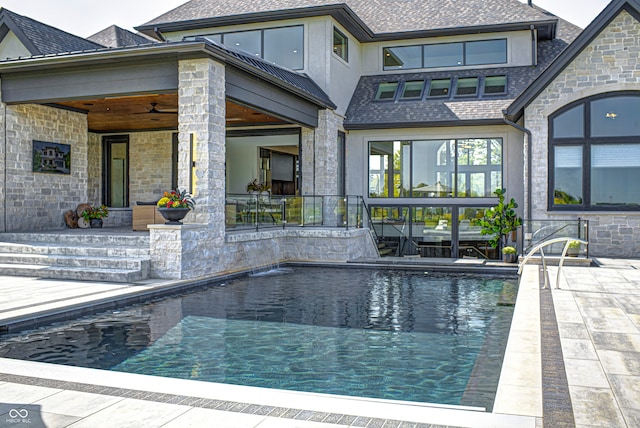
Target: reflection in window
569, 124
435, 168
615, 174
486, 52
495, 85
386, 91
412, 89
246, 41
283, 46
567, 175
340, 44
439, 88
444, 55
405, 57
615, 117
467, 86
389, 169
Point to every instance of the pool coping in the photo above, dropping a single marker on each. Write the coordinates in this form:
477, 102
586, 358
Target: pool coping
512, 404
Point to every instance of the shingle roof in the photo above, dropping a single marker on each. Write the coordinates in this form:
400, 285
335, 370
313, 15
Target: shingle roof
42, 39
116, 37
380, 16
365, 112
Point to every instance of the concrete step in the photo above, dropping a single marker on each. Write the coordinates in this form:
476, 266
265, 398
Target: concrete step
75, 273
76, 255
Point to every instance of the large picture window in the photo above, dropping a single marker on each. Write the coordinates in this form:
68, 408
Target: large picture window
469, 168
445, 55
594, 155
283, 46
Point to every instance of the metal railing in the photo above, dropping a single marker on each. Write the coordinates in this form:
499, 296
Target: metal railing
535, 232
266, 211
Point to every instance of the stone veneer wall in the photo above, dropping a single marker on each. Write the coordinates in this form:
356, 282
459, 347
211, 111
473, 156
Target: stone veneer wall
244, 251
319, 163
28, 192
610, 63
150, 165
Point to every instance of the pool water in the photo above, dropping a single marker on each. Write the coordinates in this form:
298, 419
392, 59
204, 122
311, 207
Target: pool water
392, 334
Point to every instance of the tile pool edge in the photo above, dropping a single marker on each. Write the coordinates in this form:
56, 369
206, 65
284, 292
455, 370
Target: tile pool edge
520, 385
57, 376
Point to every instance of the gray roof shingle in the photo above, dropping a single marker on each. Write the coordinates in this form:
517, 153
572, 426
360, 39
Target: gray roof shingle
116, 37
380, 16
46, 40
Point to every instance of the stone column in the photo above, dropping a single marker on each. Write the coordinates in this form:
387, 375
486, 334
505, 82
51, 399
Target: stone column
201, 100
319, 161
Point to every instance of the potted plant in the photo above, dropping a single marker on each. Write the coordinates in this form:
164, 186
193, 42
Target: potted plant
255, 186
509, 254
501, 221
573, 249
94, 215
175, 205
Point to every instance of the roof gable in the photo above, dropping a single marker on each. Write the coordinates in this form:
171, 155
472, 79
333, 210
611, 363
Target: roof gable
39, 38
365, 19
116, 37
516, 109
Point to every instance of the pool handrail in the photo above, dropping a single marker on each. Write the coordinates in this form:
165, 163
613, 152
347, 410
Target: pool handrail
540, 247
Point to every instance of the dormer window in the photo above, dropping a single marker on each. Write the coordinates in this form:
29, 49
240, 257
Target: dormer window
495, 85
386, 91
340, 44
439, 88
412, 89
467, 87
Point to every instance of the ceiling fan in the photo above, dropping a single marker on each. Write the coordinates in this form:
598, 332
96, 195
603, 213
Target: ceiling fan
154, 110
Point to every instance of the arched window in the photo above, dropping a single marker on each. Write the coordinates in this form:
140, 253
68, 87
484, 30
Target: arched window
594, 154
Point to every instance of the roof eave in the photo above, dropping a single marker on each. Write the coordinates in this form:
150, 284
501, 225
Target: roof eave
173, 50
341, 12
516, 110
348, 18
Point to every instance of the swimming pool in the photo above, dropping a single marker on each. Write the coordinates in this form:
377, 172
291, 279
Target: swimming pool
393, 334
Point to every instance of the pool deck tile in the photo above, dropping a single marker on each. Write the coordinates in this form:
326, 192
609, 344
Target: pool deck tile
598, 324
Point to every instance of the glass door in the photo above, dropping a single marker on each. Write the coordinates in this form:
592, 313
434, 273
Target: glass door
116, 171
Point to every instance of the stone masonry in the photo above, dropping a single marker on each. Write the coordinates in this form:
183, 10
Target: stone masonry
610, 63
28, 192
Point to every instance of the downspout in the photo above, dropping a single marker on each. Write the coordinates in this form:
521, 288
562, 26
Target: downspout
4, 194
529, 139
534, 46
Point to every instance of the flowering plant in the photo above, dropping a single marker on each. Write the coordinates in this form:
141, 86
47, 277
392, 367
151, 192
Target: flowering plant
95, 212
176, 199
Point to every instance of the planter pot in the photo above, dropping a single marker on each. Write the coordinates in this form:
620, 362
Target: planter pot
174, 215
95, 223
509, 258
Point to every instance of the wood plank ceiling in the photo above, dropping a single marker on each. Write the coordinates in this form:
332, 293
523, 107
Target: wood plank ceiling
154, 112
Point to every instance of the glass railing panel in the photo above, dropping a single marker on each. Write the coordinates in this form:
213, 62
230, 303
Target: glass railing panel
535, 232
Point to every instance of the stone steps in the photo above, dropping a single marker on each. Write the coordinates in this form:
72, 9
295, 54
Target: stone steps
103, 257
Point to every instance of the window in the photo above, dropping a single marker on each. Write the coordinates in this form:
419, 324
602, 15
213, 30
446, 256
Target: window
439, 88
594, 155
412, 89
386, 91
340, 44
467, 86
495, 85
445, 55
283, 46
469, 168
486, 52
400, 58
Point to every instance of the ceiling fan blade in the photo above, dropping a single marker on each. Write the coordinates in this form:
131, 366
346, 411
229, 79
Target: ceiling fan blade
154, 110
